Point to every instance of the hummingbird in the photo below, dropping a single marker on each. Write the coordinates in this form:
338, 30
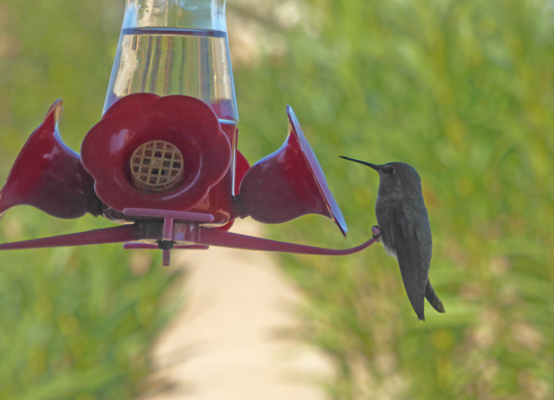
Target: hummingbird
405, 230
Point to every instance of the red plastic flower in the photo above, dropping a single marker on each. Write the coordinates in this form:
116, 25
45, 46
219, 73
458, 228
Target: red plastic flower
49, 176
156, 152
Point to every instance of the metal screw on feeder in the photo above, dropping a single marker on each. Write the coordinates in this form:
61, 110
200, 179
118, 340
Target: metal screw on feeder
164, 155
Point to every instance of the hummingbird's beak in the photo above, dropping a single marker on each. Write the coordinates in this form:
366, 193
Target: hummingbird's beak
375, 167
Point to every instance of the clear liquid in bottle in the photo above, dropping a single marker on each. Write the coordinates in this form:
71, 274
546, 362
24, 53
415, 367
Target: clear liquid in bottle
164, 61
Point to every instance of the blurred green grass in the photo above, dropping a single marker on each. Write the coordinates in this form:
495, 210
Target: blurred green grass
464, 92
75, 323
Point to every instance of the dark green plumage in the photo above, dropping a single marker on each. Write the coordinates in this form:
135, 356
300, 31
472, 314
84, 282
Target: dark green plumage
405, 230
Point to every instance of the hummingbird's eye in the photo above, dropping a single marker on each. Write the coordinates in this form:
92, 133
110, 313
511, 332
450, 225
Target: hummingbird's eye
388, 170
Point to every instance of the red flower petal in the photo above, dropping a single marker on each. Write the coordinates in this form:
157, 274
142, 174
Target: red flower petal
49, 176
187, 123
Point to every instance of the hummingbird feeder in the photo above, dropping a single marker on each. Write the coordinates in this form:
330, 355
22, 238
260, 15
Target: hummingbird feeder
163, 160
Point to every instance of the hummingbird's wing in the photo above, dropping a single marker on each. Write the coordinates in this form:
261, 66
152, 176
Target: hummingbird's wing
410, 259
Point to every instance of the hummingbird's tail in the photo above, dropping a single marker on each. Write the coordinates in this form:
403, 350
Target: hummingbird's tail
432, 297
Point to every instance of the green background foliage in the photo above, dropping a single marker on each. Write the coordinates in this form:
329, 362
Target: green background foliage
463, 91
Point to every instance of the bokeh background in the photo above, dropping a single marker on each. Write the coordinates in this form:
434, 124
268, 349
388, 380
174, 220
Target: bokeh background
463, 91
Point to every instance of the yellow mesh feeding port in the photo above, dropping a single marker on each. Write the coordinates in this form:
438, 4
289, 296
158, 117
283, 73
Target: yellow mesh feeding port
156, 166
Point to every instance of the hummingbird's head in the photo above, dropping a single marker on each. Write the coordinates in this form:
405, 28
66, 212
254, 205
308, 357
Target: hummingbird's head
394, 177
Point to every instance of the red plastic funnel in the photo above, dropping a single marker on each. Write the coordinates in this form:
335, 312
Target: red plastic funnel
289, 183
49, 176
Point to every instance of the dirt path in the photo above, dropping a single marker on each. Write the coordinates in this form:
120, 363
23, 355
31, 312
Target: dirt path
226, 344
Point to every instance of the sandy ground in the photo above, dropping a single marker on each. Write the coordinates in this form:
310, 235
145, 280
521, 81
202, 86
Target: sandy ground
227, 341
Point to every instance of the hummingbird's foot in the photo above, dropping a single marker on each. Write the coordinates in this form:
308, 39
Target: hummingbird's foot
376, 231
